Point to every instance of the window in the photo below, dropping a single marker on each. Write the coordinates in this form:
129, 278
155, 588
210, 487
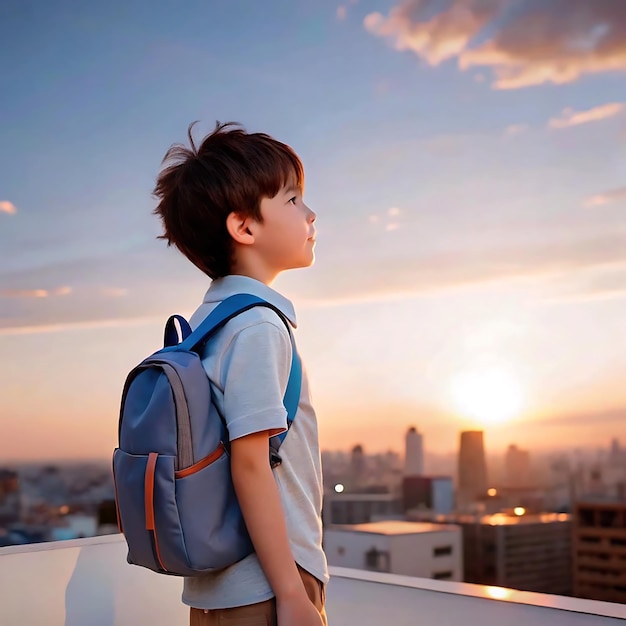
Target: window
377, 560
586, 517
609, 519
447, 575
442, 551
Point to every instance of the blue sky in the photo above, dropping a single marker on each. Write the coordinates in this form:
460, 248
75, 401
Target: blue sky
462, 225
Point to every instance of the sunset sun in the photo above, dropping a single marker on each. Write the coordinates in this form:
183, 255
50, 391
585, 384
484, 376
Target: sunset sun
489, 396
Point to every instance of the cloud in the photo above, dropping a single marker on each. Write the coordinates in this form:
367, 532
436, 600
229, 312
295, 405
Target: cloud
175, 287
86, 325
607, 416
7, 207
515, 129
435, 273
342, 10
391, 217
381, 269
529, 42
586, 296
569, 117
593, 285
35, 293
608, 197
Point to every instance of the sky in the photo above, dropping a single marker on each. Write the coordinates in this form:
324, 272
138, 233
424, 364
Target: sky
467, 163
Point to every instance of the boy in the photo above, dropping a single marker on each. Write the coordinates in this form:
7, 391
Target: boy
234, 208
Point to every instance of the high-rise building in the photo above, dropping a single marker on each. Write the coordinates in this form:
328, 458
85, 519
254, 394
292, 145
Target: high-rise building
600, 550
10, 501
616, 453
414, 453
517, 467
472, 468
357, 467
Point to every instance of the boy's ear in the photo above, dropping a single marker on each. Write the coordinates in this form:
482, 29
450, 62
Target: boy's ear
239, 228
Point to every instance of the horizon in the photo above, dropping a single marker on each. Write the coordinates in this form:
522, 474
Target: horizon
468, 177
490, 453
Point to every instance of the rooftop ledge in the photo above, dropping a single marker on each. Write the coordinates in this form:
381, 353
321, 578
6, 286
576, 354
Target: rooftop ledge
86, 582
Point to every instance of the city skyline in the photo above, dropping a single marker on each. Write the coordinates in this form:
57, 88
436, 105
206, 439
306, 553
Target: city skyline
468, 178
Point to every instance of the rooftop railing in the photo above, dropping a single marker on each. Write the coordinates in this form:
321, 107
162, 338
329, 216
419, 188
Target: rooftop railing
86, 582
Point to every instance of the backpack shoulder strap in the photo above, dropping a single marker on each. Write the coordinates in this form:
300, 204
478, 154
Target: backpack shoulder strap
217, 318
227, 310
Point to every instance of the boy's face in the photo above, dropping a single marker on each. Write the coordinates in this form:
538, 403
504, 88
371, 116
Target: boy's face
286, 237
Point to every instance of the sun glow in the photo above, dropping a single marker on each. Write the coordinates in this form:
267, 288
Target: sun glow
490, 396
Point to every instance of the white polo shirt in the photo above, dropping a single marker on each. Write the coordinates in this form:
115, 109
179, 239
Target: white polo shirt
248, 361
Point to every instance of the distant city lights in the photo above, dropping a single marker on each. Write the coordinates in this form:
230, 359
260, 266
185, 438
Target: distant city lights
339, 488
492, 492
519, 510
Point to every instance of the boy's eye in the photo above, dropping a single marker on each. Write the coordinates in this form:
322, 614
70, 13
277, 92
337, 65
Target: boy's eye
292, 200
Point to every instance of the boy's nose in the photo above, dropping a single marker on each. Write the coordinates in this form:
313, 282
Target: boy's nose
312, 215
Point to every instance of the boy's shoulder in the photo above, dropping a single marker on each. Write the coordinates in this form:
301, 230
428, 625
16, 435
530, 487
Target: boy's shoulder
258, 316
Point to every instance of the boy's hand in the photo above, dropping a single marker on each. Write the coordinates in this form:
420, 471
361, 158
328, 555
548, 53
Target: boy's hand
297, 611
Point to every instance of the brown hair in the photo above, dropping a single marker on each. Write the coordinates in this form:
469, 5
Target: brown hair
198, 188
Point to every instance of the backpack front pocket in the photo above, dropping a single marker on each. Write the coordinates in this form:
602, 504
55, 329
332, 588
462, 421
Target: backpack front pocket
212, 523
147, 506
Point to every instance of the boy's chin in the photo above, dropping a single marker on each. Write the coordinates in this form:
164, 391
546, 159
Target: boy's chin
302, 264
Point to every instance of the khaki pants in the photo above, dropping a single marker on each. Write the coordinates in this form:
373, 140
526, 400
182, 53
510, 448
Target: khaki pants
261, 614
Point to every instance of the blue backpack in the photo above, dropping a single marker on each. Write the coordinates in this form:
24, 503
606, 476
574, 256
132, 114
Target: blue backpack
174, 494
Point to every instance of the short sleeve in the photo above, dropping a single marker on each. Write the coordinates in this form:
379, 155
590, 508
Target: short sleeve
255, 371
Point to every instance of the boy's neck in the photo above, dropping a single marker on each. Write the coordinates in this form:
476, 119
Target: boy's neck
253, 268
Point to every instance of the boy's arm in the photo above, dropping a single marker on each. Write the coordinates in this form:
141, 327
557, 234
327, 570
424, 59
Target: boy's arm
262, 510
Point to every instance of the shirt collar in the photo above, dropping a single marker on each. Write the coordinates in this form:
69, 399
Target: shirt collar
222, 288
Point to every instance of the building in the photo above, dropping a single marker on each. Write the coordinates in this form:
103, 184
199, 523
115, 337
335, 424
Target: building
414, 453
514, 549
398, 547
433, 493
358, 467
526, 552
600, 550
10, 502
472, 469
517, 467
360, 508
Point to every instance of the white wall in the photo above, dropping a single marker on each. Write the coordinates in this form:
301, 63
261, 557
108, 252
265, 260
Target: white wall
410, 555
346, 548
413, 555
84, 583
